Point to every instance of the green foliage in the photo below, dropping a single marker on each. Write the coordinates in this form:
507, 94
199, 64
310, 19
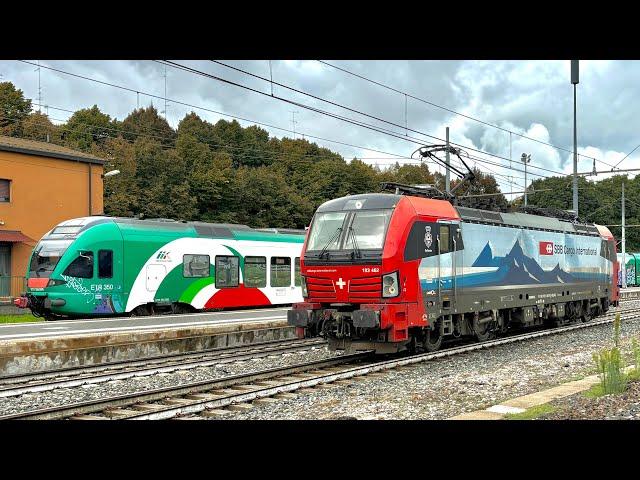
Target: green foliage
532, 413
610, 364
13, 109
87, 128
599, 202
215, 172
19, 318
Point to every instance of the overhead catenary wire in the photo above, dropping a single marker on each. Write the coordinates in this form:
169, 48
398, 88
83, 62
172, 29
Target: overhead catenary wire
469, 117
360, 123
198, 107
254, 121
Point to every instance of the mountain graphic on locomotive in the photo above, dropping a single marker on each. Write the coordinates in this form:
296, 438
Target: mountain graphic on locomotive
104, 266
391, 272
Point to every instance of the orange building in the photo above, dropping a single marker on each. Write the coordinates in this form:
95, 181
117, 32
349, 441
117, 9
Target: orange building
41, 185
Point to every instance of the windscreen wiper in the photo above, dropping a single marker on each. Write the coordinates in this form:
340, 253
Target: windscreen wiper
333, 238
356, 249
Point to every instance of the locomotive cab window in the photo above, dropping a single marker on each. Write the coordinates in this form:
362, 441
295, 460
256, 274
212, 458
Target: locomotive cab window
255, 272
82, 266
280, 272
444, 239
195, 265
105, 263
227, 271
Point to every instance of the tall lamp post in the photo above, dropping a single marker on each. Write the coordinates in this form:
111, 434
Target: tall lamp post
575, 80
525, 159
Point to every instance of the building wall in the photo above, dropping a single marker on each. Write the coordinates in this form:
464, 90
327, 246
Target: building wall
44, 192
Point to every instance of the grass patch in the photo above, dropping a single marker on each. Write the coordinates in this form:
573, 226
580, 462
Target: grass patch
19, 318
532, 413
610, 364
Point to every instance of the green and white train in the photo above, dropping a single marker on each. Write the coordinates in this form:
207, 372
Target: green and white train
100, 266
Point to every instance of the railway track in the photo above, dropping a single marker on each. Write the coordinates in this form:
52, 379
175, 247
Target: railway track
208, 398
71, 377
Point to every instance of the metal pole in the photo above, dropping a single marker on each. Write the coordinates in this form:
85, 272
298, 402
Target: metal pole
575, 155
447, 184
624, 251
575, 79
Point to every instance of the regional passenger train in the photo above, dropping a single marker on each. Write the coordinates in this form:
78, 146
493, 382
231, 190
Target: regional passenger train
101, 266
391, 272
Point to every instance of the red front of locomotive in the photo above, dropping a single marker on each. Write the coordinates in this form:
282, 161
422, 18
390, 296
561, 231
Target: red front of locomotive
359, 291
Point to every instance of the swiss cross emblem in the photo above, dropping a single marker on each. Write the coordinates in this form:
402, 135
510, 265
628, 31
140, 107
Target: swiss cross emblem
546, 248
341, 283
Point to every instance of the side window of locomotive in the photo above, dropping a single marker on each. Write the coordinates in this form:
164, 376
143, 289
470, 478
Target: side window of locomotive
297, 275
195, 265
105, 263
226, 271
280, 272
444, 238
82, 266
255, 272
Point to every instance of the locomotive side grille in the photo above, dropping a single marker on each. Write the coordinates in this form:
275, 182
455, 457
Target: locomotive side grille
365, 288
321, 288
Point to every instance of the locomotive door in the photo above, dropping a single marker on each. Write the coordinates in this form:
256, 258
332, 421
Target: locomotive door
447, 239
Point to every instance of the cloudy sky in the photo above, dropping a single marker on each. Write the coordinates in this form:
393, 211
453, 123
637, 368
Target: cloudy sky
530, 98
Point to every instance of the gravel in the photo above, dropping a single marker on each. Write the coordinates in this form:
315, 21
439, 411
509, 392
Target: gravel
625, 406
443, 388
432, 390
63, 396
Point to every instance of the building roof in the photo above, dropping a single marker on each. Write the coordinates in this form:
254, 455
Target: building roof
44, 149
14, 236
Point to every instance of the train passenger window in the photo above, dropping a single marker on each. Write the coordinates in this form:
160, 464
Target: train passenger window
255, 272
105, 263
280, 271
297, 276
195, 265
82, 266
444, 239
227, 271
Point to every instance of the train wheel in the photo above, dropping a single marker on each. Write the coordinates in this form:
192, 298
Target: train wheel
482, 331
432, 340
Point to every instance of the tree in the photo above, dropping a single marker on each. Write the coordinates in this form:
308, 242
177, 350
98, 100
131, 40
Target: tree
37, 126
147, 122
483, 183
14, 108
87, 127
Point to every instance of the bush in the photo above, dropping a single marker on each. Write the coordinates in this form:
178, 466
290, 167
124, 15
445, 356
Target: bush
610, 364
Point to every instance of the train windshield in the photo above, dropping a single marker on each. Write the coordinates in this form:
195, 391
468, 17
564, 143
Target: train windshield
325, 231
365, 229
46, 256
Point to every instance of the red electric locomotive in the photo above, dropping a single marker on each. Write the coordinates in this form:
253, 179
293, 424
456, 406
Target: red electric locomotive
392, 271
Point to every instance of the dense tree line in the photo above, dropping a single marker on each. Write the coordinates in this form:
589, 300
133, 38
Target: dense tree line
223, 172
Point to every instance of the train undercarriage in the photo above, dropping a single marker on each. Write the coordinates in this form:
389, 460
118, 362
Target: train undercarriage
351, 330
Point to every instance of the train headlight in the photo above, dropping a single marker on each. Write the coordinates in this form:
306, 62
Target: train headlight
390, 285
303, 284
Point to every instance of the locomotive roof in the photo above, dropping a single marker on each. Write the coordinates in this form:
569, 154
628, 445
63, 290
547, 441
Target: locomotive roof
526, 220
444, 209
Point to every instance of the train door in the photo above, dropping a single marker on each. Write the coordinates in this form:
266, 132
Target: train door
155, 274
447, 243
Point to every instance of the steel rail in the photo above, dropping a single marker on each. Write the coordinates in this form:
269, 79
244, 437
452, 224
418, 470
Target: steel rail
121, 370
286, 381
186, 389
